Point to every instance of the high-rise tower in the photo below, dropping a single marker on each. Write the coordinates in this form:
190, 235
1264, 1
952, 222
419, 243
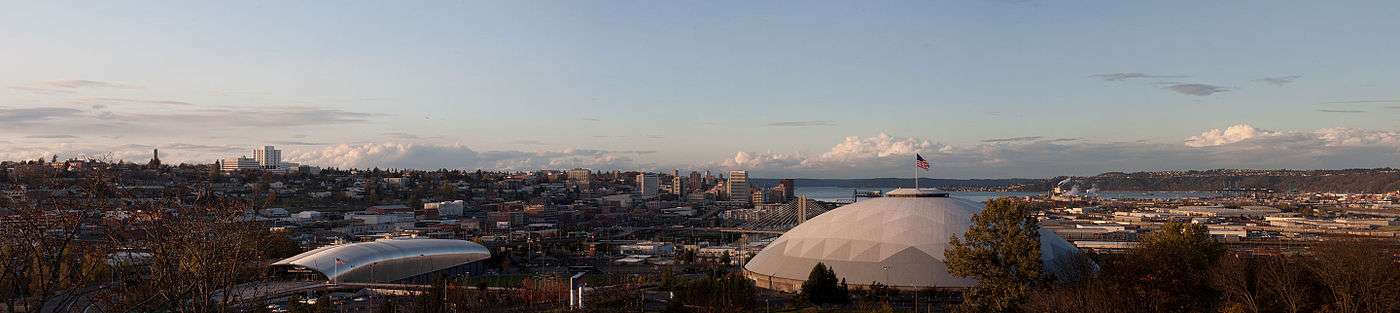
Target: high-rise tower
155, 158
739, 186
268, 157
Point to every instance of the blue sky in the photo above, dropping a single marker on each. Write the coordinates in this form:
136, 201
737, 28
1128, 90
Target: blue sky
986, 88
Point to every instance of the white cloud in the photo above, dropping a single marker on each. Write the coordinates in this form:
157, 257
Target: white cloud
742, 160
457, 156
1245, 134
882, 145
1232, 134
82, 83
849, 158
883, 155
1341, 136
1237, 146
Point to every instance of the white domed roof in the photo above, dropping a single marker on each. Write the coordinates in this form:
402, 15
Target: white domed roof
896, 240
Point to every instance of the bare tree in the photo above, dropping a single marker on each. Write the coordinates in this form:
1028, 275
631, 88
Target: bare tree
1285, 280
1361, 276
1235, 276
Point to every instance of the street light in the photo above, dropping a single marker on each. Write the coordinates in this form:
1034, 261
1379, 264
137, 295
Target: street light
886, 270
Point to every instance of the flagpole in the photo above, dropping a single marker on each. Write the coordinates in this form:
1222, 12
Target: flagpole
916, 173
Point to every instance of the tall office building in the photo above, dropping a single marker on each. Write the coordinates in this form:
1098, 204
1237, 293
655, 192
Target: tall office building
268, 157
789, 190
677, 183
696, 184
739, 186
648, 184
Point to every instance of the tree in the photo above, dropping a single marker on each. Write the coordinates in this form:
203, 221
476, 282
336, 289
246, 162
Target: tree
276, 245
1237, 277
717, 292
1170, 268
1286, 281
822, 287
1361, 276
1001, 250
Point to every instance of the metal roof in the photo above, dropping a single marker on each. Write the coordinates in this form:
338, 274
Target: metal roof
387, 260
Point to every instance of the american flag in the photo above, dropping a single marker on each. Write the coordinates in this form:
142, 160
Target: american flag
338, 261
920, 162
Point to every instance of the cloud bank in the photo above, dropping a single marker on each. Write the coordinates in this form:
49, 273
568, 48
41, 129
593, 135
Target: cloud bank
802, 123
881, 155
1279, 81
457, 156
1196, 89
1236, 146
1118, 77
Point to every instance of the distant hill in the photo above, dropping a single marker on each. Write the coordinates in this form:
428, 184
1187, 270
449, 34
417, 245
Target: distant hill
903, 182
1350, 180
1378, 180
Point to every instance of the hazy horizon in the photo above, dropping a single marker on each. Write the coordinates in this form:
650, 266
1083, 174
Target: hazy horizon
982, 89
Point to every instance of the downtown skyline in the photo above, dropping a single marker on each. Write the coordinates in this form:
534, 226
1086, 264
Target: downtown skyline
984, 89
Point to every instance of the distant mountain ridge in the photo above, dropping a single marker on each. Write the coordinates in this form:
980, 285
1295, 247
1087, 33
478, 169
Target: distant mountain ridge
901, 182
1376, 180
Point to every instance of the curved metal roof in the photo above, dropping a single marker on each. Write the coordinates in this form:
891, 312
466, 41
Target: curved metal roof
897, 241
387, 260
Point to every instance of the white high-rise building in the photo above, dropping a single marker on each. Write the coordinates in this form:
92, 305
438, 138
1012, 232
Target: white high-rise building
648, 184
738, 185
268, 157
677, 183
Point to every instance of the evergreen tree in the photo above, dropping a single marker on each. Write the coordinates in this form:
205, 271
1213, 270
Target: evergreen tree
822, 287
1001, 250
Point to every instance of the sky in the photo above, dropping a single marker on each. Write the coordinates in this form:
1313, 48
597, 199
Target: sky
814, 89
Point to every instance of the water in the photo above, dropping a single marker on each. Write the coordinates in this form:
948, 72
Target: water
844, 193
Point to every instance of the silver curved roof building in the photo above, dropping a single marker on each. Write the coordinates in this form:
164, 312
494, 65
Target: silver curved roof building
387, 260
896, 240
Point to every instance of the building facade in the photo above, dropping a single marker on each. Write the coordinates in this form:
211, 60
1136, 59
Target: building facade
580, 178
696, 183
239, 163
268, 157
648, 184
788, 188
738, 185
677, 183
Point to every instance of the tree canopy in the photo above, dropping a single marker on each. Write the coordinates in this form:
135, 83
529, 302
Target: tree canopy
822, 287
1002, 250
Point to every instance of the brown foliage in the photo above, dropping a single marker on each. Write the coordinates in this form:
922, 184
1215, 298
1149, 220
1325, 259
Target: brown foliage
1336, 276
